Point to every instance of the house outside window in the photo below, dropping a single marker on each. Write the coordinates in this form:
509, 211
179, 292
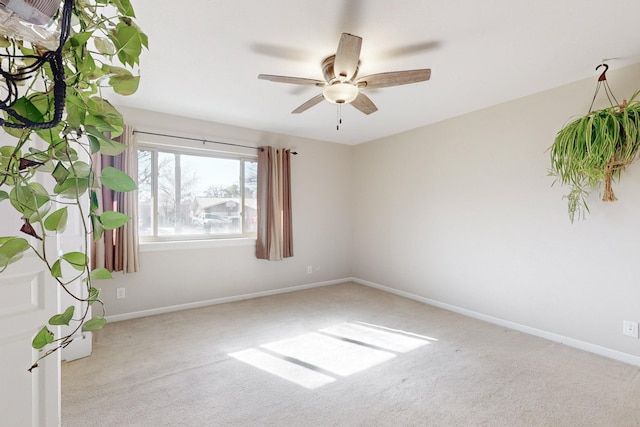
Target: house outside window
190, 195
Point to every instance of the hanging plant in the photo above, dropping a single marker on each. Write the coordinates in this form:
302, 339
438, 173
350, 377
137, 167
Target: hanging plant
58, 119
593, 150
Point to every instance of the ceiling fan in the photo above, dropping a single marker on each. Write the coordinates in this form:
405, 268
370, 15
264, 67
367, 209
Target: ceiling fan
342, 84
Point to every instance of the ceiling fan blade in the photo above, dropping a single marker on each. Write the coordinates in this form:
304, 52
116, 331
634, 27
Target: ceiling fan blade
393, 78
310, 103
291, 80
347, 56
364, 104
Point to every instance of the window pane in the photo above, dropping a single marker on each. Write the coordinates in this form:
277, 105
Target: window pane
250, 196
145, 197
215, 199
167, 190
196, 196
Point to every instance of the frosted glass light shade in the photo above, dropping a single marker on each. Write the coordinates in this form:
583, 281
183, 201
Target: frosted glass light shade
340, 93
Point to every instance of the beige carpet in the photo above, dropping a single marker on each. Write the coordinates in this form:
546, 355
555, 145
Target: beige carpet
342, 355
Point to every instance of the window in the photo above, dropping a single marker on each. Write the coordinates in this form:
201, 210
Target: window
194, 195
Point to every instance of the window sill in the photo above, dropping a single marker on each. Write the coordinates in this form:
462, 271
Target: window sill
176, 245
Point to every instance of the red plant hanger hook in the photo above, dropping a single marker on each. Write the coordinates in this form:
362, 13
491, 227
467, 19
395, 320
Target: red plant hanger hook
603, 76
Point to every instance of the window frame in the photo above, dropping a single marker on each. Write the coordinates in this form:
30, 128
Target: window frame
155, 148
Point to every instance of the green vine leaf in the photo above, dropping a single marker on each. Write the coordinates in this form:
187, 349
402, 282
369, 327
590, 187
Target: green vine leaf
125, 85
107, 146
128, 42
26, 108
117, 180
60, 173
101, 274
124, 7
42, 338
76, 109
77, 260
111, 220
93, 295
64, 318
11, 250
31, 200
96, 225
57, 221
72, 188
3, 195
94, 324
56, 269
105, 46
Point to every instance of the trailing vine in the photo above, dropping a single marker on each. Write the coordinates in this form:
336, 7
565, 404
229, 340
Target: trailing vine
102, 51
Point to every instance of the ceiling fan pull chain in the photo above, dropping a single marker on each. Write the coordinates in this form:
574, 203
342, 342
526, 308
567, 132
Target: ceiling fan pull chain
339, 116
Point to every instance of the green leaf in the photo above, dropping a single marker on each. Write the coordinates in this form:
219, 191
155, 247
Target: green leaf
79, 39
98, 122
93, 201
56, 269
3, 195
64, 318
42, 338
57, 221
88, 65
78, 260
111, 220
124, 7
32, 200
117, 180
96, 227
71, 188
111, 148
125, 85
94, 324
101, 274
76, 110
60, 173
11, 250
94, 144
104, 46
26, 109
93, 295
128, 42
80, 169
107, 146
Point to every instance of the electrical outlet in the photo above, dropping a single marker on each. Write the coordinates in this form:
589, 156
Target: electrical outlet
120, 293
630, 328
309, 269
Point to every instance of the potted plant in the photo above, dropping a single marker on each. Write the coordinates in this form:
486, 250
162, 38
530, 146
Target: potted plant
593, 150
103, 44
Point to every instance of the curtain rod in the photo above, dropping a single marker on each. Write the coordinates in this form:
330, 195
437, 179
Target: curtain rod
203, 140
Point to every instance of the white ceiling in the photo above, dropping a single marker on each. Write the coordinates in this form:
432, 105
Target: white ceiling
205, 56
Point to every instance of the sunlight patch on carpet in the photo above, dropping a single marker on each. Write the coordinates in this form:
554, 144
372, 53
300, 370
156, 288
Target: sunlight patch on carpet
380, 338
329, 354
295, 373
316, 359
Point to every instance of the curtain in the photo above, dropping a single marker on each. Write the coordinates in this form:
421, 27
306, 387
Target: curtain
275, 236
117, 250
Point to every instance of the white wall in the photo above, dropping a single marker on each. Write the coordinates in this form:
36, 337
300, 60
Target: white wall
321, 176
462, 212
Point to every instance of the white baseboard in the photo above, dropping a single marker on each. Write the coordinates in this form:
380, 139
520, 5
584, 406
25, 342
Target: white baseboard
205, 303
571, 342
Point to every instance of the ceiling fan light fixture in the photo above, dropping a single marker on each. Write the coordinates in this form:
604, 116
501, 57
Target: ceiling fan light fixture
340, 93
